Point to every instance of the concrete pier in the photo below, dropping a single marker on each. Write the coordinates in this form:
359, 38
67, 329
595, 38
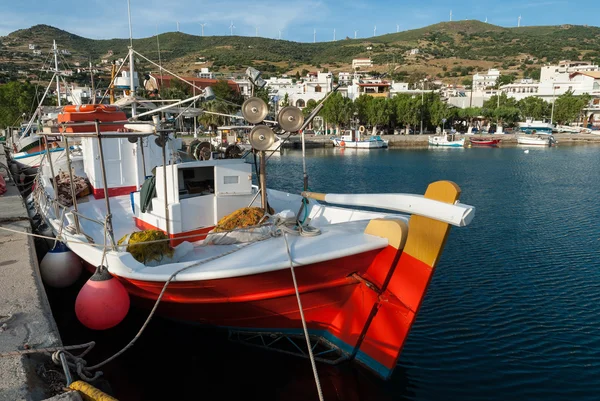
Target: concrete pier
25, 317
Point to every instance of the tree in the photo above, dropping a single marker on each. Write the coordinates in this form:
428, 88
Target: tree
438, 110
310, 106
534, 107
286, 101
337, 110
407, 110
568, 107
505, 80
378, 112
361, 106
467, 82
17, 98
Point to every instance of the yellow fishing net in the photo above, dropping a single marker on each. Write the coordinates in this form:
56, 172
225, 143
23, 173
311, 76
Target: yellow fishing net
144, 253
241, 218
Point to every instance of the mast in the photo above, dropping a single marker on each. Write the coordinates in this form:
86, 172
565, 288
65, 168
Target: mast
57, 75
131, 66
93, 89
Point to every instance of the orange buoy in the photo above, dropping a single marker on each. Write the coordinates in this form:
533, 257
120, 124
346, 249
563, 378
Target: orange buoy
342, 144
103, 301
60, 267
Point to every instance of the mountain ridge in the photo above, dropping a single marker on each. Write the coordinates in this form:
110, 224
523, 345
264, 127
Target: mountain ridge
446, 50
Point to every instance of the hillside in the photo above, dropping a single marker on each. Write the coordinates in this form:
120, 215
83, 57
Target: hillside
448, 50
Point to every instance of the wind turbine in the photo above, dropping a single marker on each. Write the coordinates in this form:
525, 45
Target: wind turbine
231, 28
486, 20
519, 22
334, 34
202, 25
355, 32
256, 31
450, 15
375, 30
280, 34
397, 28
315, 36
177, 26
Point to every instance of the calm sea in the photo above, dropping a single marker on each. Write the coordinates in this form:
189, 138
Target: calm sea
513, 310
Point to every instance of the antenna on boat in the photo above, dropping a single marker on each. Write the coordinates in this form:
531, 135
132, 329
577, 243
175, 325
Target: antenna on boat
93, 88
57, 74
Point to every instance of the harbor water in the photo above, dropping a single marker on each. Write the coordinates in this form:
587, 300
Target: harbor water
513, 310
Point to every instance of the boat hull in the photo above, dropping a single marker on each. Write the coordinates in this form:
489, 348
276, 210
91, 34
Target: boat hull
485, 142
360, 144
533, 141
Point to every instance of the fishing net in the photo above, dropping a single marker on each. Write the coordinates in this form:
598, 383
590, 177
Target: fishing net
143, 252
244, 221
241, 218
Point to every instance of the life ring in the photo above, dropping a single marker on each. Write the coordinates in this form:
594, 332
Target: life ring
83, 108
361, 129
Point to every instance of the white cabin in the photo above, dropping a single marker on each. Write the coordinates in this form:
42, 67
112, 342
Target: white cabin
198, 195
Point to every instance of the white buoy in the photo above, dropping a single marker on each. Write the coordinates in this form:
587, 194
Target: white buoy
527, 151
60, 267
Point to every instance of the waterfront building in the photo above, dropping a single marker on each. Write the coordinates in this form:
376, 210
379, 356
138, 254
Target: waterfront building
315, 86
344, 78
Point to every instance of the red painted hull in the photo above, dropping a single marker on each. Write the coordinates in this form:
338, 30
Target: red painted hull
485, 142
363, 303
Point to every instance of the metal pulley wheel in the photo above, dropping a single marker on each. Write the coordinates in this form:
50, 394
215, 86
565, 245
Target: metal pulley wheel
255, 110
290, 118
261, 137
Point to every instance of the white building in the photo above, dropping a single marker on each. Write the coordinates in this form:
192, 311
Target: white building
32, 46
244, 85
578, 77
344, 78
362, 63
205, 73
37, 52
564, 69
314, 86
414, 52
485, 81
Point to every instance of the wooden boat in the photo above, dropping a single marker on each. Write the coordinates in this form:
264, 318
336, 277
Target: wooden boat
361, 279
354, 138
484, 141
446, 140
536, 140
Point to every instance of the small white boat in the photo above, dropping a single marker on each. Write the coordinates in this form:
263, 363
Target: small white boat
354, 138
448, 140
568, 129
536, 140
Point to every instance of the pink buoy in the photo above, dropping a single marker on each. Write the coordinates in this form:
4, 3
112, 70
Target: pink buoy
103, 301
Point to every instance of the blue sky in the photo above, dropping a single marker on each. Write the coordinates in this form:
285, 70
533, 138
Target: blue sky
104, 19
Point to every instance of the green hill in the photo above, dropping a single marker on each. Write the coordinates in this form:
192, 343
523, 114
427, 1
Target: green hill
449, 50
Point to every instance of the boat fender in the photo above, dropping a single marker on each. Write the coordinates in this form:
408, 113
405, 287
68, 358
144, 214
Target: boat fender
103, 302
60, 267
361, 129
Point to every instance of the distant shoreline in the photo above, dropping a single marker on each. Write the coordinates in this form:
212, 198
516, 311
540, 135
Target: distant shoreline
420, 141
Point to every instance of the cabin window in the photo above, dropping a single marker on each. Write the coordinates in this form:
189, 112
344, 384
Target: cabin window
196, 181
231, 179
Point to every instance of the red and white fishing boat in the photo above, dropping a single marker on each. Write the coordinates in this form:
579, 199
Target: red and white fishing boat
361, 279
484, 141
